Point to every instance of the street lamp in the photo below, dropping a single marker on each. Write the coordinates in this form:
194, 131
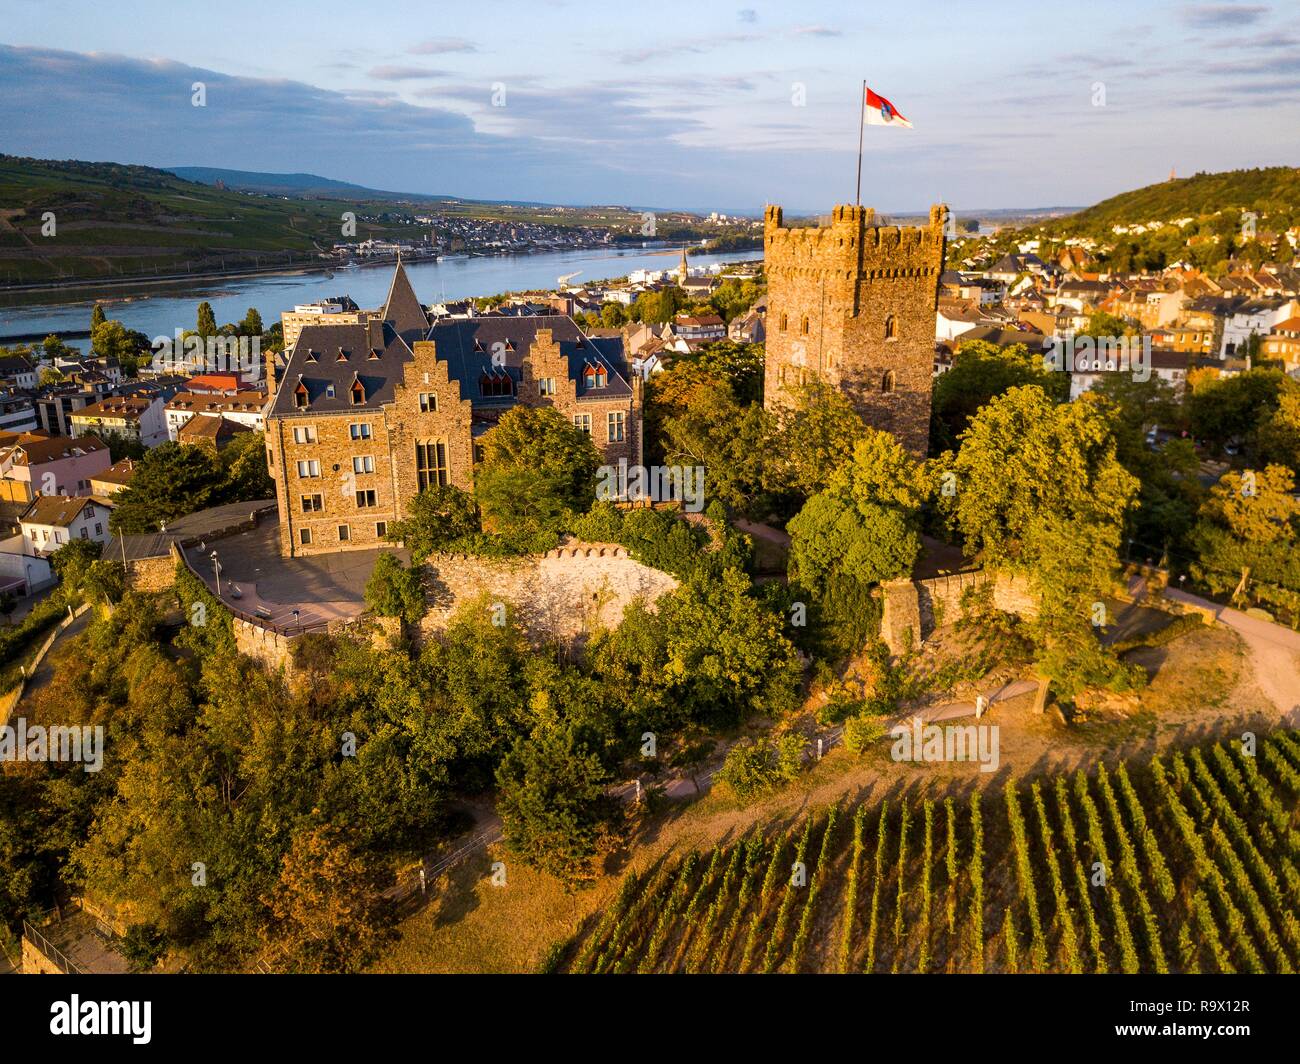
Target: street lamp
216, 565
295, 618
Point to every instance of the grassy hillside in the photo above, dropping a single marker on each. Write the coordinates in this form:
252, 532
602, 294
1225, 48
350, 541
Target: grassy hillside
117, 220
113, 219
306, 185
1273, 193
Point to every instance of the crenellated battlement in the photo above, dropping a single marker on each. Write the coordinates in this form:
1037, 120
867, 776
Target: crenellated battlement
853, 241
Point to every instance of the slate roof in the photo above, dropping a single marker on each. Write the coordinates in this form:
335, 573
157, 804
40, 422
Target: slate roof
328, 356
13, 365
466, 344
403, 309
377, 353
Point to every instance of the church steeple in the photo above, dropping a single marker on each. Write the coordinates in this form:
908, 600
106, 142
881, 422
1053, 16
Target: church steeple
682, 271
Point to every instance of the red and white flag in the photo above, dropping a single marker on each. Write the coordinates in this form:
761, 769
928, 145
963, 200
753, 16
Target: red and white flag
880, 112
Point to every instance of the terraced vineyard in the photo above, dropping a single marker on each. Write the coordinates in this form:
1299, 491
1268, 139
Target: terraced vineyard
1186, 863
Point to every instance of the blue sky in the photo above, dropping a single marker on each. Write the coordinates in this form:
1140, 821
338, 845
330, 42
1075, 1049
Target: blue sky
670, 104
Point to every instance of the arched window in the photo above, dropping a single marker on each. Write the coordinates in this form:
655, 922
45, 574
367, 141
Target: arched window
887, 382
785, 322
890, 327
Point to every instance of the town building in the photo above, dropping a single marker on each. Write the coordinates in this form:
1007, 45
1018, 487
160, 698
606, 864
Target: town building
54, 520
211, 433
54, 409
113, 479
700, 327
241, 408
340, 310
127, 417
52, 465
367, 415
16, 371
1166, 365
1282, 344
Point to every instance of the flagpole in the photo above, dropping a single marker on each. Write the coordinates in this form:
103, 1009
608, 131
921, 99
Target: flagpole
862, 120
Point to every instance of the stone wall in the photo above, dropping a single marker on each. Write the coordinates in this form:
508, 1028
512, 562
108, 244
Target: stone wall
35, 962
913, 609
151, 574
270, 648
564, 593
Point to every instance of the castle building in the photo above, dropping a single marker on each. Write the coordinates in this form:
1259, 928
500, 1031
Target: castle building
366, 415
854, 303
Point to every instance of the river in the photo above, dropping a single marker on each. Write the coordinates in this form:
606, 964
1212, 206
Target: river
158, 310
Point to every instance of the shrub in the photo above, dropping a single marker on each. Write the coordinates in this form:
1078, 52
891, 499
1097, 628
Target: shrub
861, 731
394, 590
754, 767
142, 946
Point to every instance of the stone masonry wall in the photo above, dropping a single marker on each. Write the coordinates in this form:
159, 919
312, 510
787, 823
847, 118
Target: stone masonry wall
151, 574
270, 648
913, 609
564, 593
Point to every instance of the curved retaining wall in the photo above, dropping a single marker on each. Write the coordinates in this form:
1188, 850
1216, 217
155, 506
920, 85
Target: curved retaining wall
563, 593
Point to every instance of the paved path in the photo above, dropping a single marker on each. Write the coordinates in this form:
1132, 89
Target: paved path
956, 710
45, 670
1274, 650
754, 528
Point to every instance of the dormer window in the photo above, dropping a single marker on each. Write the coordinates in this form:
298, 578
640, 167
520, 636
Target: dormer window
374, 354
311, 355
329, 391
357, 392
478, 345
301, 398
495, 382
342, 356
596, 376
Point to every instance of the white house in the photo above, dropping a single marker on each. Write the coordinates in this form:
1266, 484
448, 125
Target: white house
953, 319
1256, 317
243, 408
53, 520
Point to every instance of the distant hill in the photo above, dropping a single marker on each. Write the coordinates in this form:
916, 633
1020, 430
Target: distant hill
313, 185
116, 220
279, 184
1272, 192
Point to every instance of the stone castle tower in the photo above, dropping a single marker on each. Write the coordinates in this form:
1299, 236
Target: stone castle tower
854, 303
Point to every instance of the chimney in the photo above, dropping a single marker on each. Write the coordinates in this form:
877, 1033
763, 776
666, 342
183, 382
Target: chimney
270, 373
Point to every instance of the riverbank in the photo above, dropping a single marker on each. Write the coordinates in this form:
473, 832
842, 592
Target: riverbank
160, 307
